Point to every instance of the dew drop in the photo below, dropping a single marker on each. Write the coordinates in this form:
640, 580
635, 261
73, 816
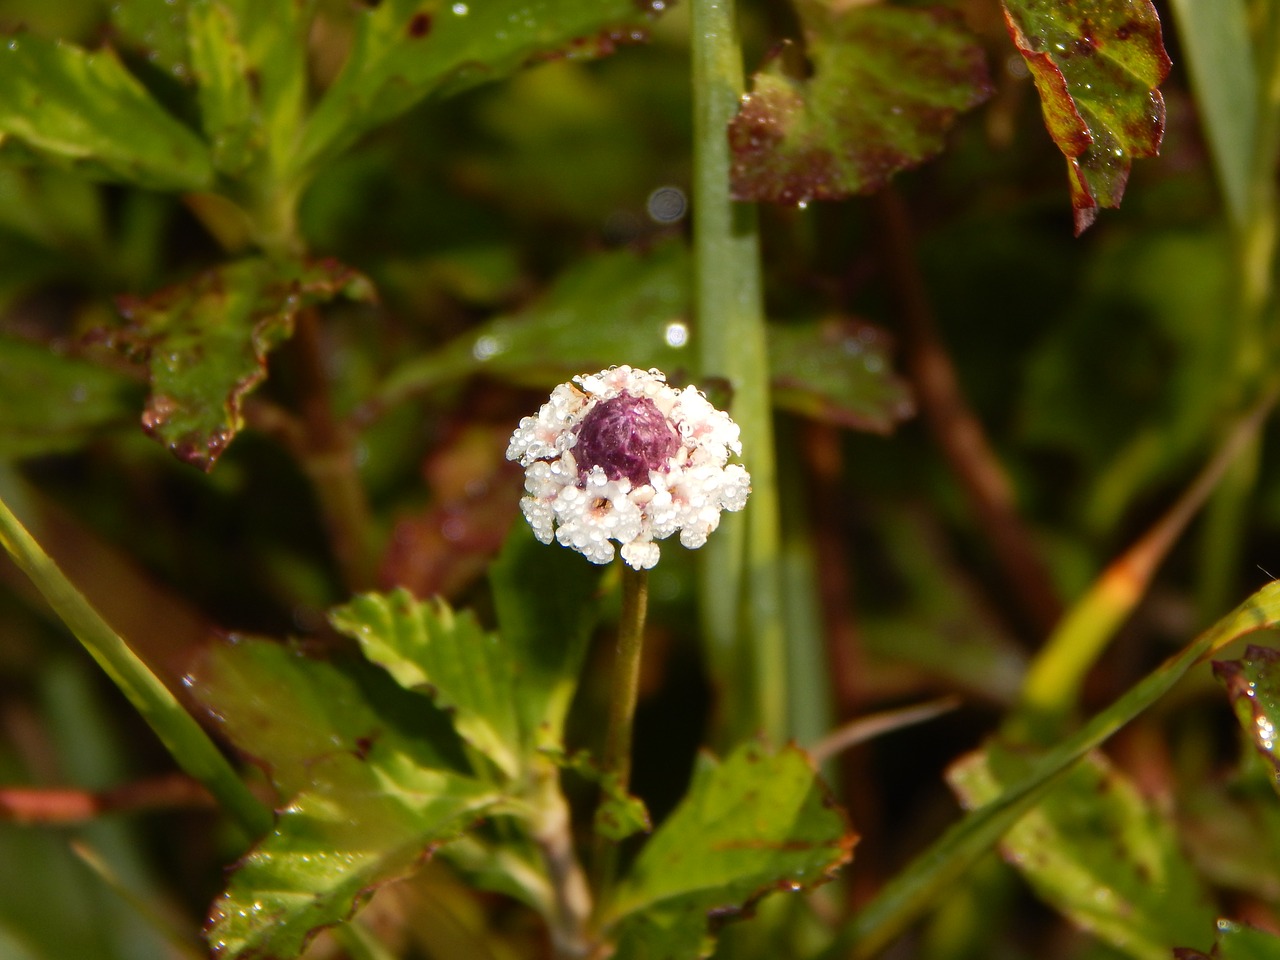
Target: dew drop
487, 347
676, 334
460, 9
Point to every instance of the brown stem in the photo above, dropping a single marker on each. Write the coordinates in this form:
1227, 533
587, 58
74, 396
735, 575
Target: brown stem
959, 432
329, 460
53, 805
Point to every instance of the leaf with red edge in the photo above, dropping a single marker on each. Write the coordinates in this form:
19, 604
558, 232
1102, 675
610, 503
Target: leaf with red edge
1096, 65
886, 84
206, 343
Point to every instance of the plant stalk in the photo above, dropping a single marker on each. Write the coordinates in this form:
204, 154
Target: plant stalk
1055, 677
740, 574
329, 459
626, 676
188, 744
623, 694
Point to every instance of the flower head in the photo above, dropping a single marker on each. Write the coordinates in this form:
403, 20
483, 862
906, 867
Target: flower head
621, 456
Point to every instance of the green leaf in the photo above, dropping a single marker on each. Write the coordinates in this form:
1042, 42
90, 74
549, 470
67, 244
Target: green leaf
1253, 684
545, 603
1237, 942
1096, 66
85, 109
250, 60
206, 341
1219, 56
427, 646
928, 878
157, 29
756, 823
839, 372
886, 84
51, 402
626, 307
370, 779
619, 307
1097, 851
619, 814
405, 50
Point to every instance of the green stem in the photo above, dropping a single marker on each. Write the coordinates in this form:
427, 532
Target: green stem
1056, 675
933, 875
623, 694
740, 574
189, 745
626, 676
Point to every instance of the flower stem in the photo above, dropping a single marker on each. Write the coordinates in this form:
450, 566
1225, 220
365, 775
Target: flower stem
624, 691
626, 676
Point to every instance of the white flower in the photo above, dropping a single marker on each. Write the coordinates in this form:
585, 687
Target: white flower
622, 457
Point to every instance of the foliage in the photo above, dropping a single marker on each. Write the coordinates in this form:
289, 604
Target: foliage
329, 254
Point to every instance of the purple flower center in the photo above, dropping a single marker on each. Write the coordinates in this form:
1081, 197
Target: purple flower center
625, 436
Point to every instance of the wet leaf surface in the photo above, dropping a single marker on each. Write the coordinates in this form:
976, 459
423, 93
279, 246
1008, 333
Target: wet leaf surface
840, 372
206, 343
625, 307
1236, 942
405, 50
1096, 65
84, 109
756, 823
249, 59
157, 29
370, 777
1253, 684
1098, 852
886, 84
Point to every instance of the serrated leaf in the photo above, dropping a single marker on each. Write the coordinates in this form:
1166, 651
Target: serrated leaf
756, 823
886, 83
206, 342
51, 402
249, 58
545, 603
405, 50
370, 776
1097, 851
1253, 684
1236, 942
626, 307
427, 646
86, 110
1096, 65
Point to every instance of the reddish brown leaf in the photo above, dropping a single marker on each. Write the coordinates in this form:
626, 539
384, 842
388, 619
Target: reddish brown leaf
1096, 65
